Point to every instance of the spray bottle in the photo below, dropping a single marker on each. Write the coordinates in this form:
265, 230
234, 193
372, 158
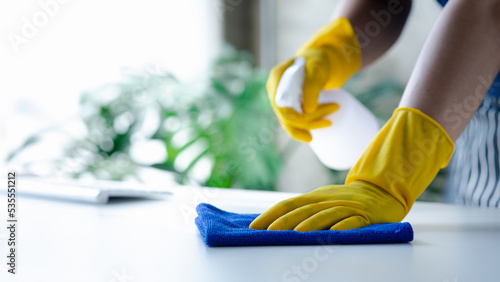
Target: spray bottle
340, 145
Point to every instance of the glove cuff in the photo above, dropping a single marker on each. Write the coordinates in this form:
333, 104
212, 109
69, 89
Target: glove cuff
405, 156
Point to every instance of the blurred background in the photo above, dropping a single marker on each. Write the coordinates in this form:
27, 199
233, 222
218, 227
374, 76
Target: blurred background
172, 91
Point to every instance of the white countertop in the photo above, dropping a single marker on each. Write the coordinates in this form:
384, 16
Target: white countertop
156, 240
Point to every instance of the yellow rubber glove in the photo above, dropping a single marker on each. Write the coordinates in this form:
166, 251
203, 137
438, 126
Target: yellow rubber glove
332, 55
394, 170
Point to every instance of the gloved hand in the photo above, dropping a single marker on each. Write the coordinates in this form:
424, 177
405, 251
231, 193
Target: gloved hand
332, 55
394, 170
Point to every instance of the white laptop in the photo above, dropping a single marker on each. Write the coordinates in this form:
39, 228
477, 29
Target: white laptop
95, 191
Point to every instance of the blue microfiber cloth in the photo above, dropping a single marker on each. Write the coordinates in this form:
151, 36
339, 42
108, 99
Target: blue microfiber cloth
220, 228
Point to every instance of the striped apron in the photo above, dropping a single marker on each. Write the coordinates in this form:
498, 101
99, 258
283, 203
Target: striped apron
473, 172
473, 175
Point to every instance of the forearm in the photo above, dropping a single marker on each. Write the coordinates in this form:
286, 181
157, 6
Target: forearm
377, 24
457, 64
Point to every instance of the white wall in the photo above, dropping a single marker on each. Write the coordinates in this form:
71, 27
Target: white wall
76, 45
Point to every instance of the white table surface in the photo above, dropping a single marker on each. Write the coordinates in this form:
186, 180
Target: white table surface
156, 240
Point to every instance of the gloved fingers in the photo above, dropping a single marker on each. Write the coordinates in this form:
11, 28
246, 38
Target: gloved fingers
296, 131
322, 111
315, 78
305, 125
291, 117
320, 123
290, 114
352, 222
280, 209
290, 220
309, 121
325, 219
298, 134
270, 215
274, 79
